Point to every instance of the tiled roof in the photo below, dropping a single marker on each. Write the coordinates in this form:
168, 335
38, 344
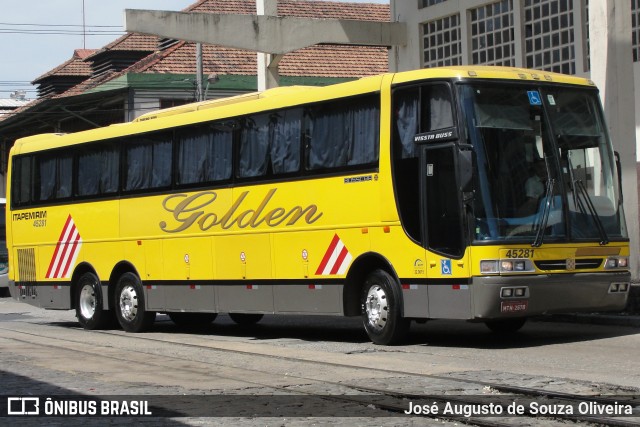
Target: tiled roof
76, 66
131, 42
300, 8
319, 61
316, 61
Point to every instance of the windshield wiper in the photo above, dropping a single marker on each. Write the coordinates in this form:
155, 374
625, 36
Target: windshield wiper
580, 189
545, 213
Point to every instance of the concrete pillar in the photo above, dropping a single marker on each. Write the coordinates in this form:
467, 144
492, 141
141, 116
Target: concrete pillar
612, 72
267, 71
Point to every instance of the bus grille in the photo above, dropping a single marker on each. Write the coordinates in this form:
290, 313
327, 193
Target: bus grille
27, 272
561, 264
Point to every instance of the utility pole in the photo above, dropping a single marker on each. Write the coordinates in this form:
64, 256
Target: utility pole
199, 85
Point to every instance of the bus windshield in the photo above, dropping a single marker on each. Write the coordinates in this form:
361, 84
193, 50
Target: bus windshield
545, 169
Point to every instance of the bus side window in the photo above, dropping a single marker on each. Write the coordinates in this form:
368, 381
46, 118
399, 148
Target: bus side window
53, 176
340, 135
148, 162
253, 158
286, 136
98, 170
204, 154
436, 108
21, 184
405, 159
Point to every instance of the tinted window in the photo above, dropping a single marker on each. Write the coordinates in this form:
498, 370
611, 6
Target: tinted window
21, 180
98, 170
148, 162
254, 146
204, 155
343, 134
53, 176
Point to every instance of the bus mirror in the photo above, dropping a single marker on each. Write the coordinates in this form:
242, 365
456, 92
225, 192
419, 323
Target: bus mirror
619, 168
465, 170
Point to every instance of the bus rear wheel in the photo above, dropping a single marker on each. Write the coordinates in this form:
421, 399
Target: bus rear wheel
130, 305
381, 311
89, 304
246, 319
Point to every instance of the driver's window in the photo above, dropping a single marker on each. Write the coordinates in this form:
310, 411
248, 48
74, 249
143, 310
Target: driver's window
417, 110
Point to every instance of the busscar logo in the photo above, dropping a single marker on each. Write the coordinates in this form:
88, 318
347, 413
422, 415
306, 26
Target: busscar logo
23, 406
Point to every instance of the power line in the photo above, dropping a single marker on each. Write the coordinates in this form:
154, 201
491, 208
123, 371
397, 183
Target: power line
62, 32
61, 25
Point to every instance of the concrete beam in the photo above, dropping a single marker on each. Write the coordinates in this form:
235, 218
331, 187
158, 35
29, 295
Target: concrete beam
271, 34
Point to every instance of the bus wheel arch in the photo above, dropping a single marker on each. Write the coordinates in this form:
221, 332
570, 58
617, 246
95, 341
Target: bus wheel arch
364, 265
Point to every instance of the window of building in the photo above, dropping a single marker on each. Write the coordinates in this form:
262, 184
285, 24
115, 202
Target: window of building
427, 3
635, 28
549, 35
441, 42
492, 34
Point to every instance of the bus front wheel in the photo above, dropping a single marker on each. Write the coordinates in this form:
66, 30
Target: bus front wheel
89, 304
130, 308
381, 311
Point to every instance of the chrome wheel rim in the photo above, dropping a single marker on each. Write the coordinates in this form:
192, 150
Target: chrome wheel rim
377, 308
87, 302
128, 303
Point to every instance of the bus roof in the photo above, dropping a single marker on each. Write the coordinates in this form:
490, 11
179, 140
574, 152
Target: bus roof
282, 97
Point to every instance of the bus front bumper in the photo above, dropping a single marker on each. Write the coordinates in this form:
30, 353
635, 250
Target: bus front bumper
495, 297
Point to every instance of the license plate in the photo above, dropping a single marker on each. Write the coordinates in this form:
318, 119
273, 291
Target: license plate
513, 306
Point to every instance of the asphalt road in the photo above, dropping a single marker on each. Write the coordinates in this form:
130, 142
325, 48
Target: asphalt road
46, 353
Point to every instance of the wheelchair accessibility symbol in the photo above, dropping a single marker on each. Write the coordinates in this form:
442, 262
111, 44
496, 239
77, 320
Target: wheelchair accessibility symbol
534, 97
445, 267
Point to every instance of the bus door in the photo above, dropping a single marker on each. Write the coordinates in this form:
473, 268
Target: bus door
425, 161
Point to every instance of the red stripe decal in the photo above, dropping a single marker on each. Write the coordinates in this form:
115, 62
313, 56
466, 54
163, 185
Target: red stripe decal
341, 257
327, 255
55, 253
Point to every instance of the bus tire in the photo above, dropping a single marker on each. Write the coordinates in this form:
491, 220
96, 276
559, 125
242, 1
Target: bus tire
246, 319
130, 305
506, 326
381, 311
185, 320
89, 304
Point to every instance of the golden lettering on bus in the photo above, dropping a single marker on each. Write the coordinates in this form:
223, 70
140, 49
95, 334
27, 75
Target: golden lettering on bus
188, 210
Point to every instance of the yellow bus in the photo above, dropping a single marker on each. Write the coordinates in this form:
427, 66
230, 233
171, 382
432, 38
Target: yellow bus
480, 193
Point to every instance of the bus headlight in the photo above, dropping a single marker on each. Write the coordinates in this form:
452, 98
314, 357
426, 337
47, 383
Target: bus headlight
616, 262
494, 266
489, 266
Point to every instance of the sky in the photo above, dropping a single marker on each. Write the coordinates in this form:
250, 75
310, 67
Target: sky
38, 35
